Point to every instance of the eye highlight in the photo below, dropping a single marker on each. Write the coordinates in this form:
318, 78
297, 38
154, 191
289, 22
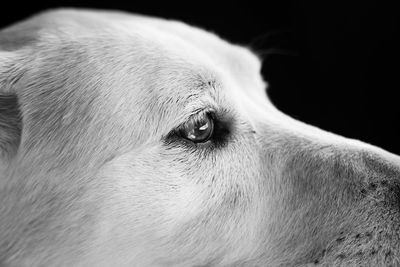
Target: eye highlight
199, 129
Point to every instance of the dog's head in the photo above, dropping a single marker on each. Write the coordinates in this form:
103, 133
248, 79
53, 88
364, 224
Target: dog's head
134, 141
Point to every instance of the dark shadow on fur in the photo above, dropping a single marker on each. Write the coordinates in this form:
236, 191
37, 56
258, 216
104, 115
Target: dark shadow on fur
10, 125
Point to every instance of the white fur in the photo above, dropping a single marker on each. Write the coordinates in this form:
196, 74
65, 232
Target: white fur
88, 176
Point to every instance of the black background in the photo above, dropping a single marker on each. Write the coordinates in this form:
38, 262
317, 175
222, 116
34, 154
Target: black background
334, 64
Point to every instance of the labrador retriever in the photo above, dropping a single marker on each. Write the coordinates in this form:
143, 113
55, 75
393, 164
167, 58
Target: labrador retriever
128, 140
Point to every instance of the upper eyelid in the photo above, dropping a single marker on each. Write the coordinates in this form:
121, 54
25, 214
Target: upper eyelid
195, 114
203, 112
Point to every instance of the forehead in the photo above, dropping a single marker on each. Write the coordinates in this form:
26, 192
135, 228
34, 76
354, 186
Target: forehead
162, 50
122, 38
152, 37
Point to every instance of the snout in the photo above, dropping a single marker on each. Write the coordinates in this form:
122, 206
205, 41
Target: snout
370, 232
338, 201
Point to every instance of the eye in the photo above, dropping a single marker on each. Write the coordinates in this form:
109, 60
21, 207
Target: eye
198, 129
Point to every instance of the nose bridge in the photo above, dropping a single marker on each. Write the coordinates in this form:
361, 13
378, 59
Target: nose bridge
273, 124
311, 160
268, 120
311, 154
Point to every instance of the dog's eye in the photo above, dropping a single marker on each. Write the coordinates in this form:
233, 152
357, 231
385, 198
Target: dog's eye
198, 129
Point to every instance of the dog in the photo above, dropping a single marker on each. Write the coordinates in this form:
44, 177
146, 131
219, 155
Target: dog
128, 140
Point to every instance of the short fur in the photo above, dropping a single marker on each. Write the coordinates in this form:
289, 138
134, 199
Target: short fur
91, 173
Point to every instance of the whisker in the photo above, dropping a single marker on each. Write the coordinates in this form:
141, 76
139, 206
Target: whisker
267, 36
275, 51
